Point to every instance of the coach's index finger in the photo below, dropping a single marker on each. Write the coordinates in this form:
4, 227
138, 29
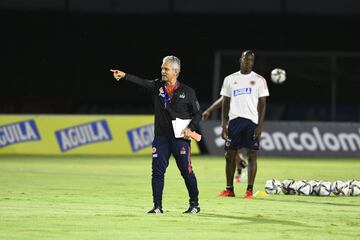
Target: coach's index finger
114, 71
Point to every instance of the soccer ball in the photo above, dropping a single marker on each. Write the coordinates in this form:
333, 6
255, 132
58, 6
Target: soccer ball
324, 188
278, 75
288, 187
303, 187
272, 186
349, 183
354, 188
315, 187
340, 188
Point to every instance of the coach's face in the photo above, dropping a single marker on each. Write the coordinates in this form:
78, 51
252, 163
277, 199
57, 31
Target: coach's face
247, 62
168, 73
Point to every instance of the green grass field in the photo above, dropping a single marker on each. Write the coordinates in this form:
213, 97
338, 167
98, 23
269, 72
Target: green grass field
106, 198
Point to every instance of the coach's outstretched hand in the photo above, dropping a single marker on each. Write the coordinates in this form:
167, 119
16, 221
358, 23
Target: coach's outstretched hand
117, 74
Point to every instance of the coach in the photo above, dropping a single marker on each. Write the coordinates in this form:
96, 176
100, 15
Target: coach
172, 99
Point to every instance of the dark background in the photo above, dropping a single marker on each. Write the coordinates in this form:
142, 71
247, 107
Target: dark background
56, 55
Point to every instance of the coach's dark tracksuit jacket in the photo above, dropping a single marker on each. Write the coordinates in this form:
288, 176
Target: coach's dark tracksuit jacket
184, 105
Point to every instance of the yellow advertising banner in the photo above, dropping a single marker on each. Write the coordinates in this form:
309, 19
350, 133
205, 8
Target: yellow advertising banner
78, 134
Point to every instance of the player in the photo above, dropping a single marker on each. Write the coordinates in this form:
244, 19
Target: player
172, 99
243, 113
240, 156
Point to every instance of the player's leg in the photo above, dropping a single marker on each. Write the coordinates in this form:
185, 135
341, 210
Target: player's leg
235, 129
240, 165
182, 153
252, 169
237, 177
230, 158
230, 167
160, 161
252, 145
243, 154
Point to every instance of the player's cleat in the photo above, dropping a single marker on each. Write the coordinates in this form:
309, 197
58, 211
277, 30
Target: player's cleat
248, 194
192, 210
156, 210
226, 193
237, 178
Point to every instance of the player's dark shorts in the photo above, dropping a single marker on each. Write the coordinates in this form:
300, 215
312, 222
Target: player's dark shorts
241, 132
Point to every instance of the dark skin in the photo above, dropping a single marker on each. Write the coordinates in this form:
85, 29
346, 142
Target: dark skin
206, 114
246, 66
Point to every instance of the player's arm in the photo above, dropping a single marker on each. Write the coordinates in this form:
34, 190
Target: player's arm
261, 107
148, 84
217, 104
225, 116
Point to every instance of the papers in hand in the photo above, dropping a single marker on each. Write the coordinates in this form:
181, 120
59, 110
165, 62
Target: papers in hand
179, 125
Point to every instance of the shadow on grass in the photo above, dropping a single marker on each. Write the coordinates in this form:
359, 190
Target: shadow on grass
257, 220
310, 202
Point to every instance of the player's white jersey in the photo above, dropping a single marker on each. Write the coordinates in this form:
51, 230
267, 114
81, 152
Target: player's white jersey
244, 91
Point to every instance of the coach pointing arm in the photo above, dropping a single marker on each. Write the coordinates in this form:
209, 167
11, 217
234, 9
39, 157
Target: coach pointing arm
148, 84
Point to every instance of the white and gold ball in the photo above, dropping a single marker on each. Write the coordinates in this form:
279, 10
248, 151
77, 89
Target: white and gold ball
278, 75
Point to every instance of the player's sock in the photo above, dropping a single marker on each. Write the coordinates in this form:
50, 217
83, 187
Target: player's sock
230, 188
249, 188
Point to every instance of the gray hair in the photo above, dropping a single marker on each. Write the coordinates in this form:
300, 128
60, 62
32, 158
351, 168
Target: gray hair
175, 62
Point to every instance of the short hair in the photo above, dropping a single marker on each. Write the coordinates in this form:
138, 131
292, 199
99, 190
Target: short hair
247, 52
175, 62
